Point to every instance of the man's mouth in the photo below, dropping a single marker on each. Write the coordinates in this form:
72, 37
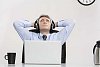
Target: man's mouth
44, 25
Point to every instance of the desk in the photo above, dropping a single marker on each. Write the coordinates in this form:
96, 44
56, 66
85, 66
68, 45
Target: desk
62, 65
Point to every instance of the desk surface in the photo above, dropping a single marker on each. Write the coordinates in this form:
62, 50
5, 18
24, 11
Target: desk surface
62, 65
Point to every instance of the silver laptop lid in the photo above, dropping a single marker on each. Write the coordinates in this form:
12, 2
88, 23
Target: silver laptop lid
42, 52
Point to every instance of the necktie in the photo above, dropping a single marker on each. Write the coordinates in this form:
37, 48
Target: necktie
44, 37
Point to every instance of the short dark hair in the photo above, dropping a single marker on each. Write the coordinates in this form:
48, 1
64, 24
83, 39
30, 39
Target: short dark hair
44, 16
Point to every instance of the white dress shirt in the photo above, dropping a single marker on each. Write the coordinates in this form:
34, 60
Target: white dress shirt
22, 25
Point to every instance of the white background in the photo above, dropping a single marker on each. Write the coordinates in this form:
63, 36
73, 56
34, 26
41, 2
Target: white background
80, 42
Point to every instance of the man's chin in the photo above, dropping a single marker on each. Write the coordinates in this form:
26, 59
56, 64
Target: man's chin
45, 29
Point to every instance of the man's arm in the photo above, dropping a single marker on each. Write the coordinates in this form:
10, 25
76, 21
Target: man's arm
20, 26
63, 34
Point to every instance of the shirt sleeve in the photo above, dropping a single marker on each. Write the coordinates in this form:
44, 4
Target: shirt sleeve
21, 28
63, 34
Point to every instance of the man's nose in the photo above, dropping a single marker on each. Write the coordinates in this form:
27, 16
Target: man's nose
45, 22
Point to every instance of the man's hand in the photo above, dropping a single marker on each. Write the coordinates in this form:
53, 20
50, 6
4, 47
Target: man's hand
32, 24
56, 24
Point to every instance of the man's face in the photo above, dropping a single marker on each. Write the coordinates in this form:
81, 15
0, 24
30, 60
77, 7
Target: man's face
44, 23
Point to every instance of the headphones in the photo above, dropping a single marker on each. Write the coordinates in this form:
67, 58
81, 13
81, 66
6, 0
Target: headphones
36, 25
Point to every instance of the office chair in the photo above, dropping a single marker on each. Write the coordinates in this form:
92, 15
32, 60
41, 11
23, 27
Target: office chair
63, 54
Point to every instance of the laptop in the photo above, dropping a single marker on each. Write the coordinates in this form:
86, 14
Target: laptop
42, 52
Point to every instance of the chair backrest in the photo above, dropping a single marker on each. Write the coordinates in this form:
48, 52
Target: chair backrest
36, 31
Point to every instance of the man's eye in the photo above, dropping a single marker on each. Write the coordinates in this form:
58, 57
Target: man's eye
47, 20
41, 20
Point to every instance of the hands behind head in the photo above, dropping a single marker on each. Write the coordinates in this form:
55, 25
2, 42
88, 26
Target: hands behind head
56, 24
33, 24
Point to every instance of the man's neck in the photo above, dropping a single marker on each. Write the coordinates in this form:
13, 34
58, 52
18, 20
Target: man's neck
44, 32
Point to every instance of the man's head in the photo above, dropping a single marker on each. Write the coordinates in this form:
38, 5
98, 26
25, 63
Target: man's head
44, 23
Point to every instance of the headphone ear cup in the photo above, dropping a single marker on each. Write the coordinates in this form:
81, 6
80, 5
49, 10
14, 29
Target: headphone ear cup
36, 24
53, 24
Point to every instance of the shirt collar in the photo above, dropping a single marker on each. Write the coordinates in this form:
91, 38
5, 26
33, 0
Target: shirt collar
40, 35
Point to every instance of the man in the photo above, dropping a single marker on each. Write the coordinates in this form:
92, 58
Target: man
43, 23
44, 26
